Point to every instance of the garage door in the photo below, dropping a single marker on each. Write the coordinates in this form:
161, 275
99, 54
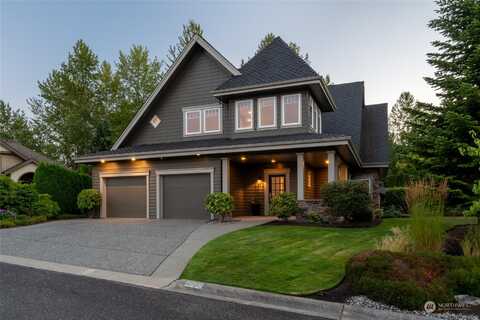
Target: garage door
126, 197
184, 196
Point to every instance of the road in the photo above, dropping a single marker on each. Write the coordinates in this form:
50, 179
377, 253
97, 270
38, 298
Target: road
32, 294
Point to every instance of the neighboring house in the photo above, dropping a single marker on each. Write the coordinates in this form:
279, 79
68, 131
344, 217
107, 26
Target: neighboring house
271, 126
18, 161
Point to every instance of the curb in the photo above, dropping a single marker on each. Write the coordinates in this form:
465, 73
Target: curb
324, 309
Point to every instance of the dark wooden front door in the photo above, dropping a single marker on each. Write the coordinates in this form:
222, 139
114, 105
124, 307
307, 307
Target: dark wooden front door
276, 185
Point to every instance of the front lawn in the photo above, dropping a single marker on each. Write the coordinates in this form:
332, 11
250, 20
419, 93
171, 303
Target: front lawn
287, 259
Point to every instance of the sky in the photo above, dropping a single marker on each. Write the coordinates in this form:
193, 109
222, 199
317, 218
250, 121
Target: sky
383, 43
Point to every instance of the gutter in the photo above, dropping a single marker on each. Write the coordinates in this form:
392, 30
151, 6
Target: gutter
223, 149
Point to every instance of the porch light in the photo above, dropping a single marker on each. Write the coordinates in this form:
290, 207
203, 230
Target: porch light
102, 161
133, 159
243, 158
273, 161
198, 154
327, 162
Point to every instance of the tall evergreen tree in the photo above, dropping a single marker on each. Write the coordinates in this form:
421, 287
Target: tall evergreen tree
397, 119
437, 133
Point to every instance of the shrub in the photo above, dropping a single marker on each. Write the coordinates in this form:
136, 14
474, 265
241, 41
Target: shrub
391, 212
398, 241
471, 243
23, 198
6, 214
6, 192
349, 199
62, 184
7, 223
426, 200
395, 197
89, 200
284, 205
46, 206
219, 204
405, 281
474, 210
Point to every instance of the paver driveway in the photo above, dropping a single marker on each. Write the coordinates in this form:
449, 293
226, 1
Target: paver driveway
137, 247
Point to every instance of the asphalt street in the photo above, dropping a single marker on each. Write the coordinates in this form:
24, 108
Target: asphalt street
27, 293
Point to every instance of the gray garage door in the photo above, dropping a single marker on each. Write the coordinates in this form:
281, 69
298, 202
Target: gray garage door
184, 196
126, 197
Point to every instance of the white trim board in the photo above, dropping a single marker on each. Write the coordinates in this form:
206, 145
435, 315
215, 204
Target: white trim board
102, 176
159, 173
196, 40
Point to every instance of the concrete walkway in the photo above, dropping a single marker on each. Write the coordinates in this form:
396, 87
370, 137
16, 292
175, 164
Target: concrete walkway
169, 270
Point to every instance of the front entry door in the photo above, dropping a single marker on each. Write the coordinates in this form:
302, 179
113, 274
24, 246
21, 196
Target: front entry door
276, 185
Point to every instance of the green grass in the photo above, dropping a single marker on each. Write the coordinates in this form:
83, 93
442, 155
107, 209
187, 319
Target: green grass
287, 259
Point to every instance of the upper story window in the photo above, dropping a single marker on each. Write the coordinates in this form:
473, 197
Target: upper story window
202, 120
244, 115
267, 112
291, 110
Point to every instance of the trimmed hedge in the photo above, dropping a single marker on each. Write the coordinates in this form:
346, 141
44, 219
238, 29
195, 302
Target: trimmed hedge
407, 281
62, 184
395, 197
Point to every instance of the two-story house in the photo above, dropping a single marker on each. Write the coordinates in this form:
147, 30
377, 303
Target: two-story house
271, 126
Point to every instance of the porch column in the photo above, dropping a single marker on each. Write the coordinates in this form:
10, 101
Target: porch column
332, 166
226, 175
300, 176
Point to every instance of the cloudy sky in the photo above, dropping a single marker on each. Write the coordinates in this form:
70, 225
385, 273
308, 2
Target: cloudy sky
383, 43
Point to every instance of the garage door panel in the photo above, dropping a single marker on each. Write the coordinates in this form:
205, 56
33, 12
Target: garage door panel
126, 197
184, 196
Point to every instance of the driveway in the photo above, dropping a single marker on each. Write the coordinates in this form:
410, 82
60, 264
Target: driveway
135, 247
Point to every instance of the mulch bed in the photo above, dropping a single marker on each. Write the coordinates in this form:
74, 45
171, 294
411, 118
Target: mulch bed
325, 225
340, 293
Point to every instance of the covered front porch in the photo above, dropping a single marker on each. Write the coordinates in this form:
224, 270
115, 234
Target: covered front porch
254, 178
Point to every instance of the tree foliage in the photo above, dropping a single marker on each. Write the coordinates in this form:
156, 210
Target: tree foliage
14, 125
189, 31
397, 120
434, 135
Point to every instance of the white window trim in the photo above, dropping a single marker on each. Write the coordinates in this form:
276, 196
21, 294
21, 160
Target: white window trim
185, 122
319, 120
237, 118
293, 124
259, 119
201, 110
219, 120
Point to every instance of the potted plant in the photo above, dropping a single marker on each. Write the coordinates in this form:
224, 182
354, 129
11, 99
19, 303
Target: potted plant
89, 201
219, 204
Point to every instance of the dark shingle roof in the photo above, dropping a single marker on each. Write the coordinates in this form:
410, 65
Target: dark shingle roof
277, 62
375, 134
217, 142
347, 118
23, 152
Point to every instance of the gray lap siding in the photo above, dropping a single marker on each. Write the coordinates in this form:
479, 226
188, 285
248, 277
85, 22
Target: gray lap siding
151, 166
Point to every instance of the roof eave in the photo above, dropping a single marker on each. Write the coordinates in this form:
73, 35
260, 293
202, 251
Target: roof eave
308, 81
223, 150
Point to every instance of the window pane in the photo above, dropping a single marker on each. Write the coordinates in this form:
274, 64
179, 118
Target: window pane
267, 112
212, 122
193, 122
244, 115
291, 105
